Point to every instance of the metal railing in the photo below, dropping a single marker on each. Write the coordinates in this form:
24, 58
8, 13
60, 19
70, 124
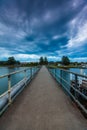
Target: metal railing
74, 84
8, 96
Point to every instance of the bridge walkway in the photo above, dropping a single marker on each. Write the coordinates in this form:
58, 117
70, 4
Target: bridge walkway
43, 105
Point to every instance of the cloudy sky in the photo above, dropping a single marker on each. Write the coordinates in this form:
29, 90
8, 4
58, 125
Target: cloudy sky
53, 28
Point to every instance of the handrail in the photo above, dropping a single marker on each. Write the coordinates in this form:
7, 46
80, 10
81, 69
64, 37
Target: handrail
85, 76
78, 95
6, 92
10, 74
8, 96
73, 87
6, 75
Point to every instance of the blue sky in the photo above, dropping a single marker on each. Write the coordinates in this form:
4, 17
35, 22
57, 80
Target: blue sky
53, 28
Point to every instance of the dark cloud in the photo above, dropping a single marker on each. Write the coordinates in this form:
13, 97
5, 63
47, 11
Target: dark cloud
42, 26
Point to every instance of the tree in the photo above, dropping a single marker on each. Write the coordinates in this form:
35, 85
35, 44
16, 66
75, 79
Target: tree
41, 60
11, 61
45, 61
65, 60
18, 62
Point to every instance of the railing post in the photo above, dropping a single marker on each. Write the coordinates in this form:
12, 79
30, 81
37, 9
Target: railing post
31, 72
55, 73
9, 89
76, 85
34, 70
61, 77
25, 76
52, 71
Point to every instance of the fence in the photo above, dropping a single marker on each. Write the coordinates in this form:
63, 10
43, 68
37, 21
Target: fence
74, 84
7, 97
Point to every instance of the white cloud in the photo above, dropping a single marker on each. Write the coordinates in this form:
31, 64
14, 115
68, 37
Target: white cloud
55, 37
26, 56
10, 35
79, 59
78, 31
5, 53
80, 39
77, 3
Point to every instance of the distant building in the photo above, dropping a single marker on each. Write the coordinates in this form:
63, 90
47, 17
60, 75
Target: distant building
84, 65
59, 64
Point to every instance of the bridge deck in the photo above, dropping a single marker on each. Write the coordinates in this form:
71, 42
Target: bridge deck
43, 106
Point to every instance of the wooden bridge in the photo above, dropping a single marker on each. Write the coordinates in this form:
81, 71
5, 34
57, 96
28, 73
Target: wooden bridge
43, 105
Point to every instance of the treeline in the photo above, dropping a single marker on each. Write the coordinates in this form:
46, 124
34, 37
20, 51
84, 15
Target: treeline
10, 61
13, 61
65, 61
42, 61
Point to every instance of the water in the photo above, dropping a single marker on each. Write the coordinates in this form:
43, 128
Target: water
79, 71
14, 78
